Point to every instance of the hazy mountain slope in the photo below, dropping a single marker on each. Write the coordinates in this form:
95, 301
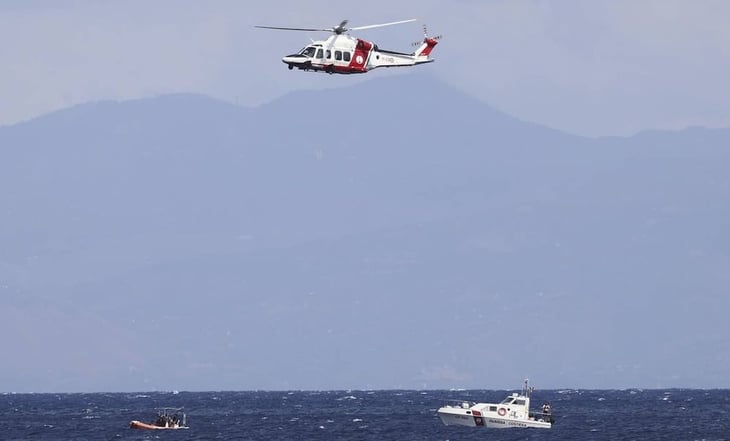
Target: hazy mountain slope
392, 234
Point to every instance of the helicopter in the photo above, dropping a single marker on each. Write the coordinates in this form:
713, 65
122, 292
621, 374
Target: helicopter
344, 54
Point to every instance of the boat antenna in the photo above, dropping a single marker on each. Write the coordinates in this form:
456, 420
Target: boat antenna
525, 389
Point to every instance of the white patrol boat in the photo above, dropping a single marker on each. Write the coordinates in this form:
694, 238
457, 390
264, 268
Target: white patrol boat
513, 411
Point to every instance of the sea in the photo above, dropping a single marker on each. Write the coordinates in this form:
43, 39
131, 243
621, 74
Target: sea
634, 414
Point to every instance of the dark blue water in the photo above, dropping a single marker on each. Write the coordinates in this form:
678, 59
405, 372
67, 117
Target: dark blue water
363, 415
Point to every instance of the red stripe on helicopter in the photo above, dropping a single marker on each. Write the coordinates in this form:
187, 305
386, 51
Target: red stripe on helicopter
360, 56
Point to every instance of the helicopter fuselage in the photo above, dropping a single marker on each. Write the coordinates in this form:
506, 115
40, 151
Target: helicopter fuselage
343, 54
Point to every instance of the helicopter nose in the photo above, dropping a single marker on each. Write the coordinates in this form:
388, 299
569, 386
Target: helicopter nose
294, 59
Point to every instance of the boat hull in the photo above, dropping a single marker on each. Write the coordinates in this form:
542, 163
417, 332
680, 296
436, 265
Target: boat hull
454, 416
140, 425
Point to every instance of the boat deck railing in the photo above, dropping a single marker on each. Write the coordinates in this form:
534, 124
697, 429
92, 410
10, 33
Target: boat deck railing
541, 416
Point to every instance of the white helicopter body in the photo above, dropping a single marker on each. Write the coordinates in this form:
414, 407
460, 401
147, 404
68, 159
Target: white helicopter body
344, 54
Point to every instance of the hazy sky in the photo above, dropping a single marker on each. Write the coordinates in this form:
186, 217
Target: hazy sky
587, 67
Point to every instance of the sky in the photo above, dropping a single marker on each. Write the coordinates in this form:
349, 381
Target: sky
604, 67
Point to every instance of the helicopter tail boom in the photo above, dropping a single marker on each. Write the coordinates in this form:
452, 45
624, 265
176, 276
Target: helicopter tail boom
385, 58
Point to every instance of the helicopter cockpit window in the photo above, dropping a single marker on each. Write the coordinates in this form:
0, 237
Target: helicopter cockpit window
329, 54
319, 53
308, 51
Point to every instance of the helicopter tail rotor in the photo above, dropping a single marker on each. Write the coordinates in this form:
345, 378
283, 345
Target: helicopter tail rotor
426, 38
426, 45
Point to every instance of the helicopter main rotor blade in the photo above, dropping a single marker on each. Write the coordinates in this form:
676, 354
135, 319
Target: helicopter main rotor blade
360, 28
294, 29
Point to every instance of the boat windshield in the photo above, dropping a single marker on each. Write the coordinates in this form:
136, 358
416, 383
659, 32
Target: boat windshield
508, 400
